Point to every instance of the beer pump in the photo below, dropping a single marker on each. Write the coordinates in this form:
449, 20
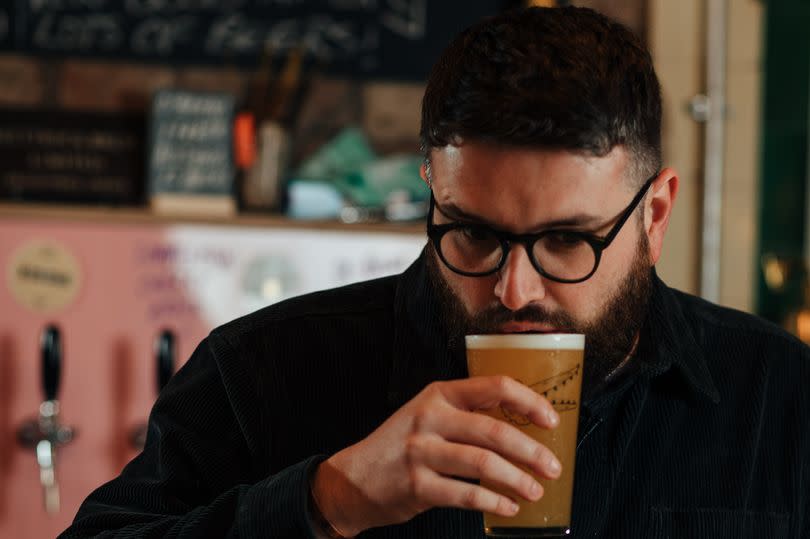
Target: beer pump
164, 367
45, 434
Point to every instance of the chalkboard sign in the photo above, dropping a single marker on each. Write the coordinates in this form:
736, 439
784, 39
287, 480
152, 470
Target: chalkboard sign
398, 39
66, 156
191, 143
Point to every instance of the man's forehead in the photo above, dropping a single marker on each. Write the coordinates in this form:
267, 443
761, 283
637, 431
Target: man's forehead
527, 190
525, 185
479, 160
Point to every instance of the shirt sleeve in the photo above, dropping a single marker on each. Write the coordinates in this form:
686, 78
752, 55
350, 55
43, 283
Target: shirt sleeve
203, 471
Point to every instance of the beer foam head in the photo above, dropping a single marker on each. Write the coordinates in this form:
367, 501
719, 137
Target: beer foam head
534, 341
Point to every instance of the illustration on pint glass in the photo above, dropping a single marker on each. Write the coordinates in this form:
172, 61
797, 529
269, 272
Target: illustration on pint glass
553, 389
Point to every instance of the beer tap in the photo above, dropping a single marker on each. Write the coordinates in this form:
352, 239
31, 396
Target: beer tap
45, 434
164, 368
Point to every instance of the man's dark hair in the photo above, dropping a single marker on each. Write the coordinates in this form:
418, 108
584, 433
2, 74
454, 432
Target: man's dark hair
560, 78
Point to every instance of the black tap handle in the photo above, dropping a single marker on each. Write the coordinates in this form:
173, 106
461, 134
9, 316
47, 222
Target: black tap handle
51, 345
164, 352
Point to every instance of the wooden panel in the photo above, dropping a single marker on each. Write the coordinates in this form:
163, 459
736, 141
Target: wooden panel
675, 42
786, 92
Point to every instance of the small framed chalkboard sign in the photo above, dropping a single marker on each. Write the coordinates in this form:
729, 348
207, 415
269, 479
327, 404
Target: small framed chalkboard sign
190, 166
66, 156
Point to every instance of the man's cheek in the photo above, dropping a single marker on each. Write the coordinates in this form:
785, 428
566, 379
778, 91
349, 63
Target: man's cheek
469, 300
580, 306
477, 296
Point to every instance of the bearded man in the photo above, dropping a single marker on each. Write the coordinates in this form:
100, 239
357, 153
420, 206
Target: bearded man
349, 412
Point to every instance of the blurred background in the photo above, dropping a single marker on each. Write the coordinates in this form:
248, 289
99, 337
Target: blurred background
169, 165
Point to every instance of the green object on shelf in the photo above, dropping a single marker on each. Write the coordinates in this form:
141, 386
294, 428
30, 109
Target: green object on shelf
347, 152
374, 183
349, 164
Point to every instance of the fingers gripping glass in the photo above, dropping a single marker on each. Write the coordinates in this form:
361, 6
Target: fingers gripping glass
562, 255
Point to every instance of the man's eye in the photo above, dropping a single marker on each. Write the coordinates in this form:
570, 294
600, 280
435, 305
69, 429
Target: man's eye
476, 233
564, 239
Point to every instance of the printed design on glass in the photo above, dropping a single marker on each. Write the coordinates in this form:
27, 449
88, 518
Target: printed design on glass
551, 388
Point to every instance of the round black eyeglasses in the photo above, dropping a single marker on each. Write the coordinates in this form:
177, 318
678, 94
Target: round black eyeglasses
561, 255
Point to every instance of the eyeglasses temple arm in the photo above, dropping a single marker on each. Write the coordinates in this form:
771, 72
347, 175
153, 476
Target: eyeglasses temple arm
628, 211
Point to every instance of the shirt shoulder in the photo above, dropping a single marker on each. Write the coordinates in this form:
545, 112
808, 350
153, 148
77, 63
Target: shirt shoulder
715, 323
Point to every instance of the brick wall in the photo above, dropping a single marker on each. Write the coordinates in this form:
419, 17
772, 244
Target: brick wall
388, 111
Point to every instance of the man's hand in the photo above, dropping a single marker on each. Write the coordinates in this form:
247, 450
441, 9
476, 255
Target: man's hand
407, 465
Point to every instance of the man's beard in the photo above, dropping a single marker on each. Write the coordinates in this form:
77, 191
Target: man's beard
609, 339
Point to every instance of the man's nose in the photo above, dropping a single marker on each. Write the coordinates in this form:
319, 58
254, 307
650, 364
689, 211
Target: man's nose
519, 284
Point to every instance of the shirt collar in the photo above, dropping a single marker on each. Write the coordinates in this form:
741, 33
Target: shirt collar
421, 355
673, 341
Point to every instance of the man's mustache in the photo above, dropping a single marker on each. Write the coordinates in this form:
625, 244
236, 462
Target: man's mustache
497, 315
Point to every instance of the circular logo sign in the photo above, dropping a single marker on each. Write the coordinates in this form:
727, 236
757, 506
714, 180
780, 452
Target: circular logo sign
44, 277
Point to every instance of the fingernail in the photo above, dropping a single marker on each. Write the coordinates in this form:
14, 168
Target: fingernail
553, 418
535, 490
554, 466
514, 508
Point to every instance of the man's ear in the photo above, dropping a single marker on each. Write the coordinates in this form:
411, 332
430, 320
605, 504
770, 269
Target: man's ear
657, 210
423, 173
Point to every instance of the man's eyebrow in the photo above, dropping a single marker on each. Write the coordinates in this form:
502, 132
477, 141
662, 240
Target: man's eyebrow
455, 213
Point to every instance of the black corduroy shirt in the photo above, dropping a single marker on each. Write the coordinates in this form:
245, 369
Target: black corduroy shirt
706, 435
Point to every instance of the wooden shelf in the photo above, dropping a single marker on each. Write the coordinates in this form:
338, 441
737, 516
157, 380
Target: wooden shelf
115, 215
